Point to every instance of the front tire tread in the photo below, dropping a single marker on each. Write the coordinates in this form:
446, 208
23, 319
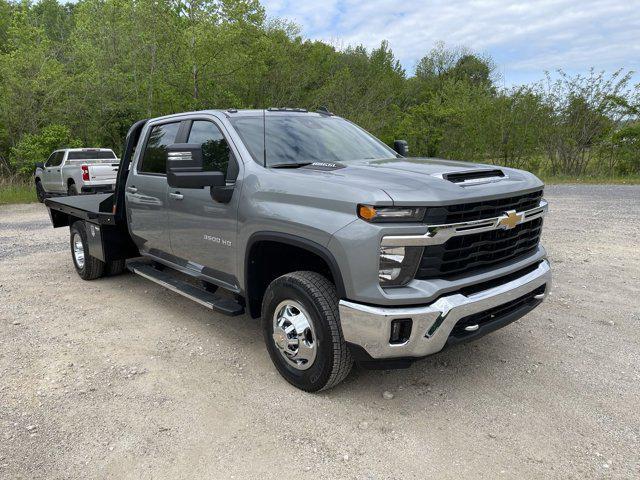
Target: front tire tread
325, 298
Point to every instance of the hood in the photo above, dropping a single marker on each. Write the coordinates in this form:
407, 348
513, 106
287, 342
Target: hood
425, 181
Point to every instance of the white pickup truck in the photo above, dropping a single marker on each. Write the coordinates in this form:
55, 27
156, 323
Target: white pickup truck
72, 171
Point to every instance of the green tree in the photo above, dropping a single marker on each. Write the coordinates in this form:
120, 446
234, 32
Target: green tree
96, 66
584, 113
5, 22
32, 80
34, 148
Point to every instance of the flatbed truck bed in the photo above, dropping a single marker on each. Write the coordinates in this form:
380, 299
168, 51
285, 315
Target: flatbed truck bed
83, 207
108, 238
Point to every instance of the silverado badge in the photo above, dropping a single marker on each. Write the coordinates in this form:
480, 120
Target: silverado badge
510, 219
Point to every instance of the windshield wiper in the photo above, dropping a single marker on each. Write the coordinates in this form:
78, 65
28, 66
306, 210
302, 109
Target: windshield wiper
290, 165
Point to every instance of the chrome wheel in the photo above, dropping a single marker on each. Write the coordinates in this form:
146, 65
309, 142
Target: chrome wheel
78, 250
293, 334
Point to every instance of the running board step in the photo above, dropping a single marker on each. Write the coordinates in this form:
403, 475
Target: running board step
219, 303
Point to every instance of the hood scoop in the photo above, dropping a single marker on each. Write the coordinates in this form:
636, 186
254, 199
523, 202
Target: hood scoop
474, 177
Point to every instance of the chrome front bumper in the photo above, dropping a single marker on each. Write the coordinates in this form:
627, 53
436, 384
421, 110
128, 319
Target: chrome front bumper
370, 326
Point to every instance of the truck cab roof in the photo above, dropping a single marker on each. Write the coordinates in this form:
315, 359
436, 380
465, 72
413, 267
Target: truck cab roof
248, 112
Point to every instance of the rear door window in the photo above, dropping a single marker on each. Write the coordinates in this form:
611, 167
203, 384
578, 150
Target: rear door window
154, 157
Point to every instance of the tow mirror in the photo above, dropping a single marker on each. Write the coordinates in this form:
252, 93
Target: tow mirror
185, 168
401, 147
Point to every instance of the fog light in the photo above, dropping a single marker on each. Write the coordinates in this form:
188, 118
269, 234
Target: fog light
400, 330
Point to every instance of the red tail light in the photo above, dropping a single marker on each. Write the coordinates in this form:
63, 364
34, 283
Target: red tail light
85, 172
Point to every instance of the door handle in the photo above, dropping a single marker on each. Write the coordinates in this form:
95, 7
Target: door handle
132, 189
57, 170
176, 196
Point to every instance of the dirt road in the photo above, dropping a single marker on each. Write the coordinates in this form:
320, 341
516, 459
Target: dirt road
119, 378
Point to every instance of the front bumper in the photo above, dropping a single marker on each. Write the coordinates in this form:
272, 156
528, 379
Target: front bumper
369, 327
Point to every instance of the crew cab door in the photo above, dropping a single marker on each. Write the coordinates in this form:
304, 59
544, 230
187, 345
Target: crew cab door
146, 190
52, 173
202, 229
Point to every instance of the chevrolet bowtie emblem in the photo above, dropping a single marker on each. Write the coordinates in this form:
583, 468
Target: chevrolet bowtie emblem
510, 219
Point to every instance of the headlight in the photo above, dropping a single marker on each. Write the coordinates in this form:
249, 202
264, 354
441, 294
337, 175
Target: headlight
390, 214
398, 265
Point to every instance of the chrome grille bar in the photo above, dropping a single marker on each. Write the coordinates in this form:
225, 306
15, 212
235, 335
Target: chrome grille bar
439, 234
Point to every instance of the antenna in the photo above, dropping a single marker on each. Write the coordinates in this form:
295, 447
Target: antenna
264, 137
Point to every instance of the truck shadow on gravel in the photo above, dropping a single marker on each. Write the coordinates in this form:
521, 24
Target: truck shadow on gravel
464, 369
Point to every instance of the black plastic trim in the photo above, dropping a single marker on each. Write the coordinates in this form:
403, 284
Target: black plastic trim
299, 242
494, 325
366, 361
132, 139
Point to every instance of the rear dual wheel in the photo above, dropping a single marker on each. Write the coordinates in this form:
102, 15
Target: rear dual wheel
88, 266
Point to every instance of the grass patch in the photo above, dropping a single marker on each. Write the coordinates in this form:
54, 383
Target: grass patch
16, 191
602, 180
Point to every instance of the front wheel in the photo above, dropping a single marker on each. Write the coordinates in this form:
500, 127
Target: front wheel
301, 328
88, 267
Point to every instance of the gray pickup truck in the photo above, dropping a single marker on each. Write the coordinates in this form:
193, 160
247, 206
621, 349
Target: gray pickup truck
348, 250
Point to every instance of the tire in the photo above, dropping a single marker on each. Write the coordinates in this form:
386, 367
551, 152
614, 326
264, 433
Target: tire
115, 267
314, 297
40, 193
88, 267
72, 190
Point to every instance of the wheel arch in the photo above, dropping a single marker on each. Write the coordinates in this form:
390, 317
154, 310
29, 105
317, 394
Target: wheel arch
254, 285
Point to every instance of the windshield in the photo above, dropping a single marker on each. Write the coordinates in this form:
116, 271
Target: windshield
301, 138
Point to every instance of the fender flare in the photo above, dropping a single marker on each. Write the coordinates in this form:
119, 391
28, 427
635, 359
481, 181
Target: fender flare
299, 242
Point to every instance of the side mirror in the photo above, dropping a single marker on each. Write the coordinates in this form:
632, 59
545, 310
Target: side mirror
401, 147
185, 169
40, 165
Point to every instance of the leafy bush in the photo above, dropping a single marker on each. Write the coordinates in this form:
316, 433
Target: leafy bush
37, 148
625, 150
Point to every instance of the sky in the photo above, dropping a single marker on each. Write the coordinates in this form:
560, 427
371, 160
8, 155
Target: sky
525, 38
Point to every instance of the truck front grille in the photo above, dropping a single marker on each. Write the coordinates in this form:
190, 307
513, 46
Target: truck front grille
479, 210
465, 254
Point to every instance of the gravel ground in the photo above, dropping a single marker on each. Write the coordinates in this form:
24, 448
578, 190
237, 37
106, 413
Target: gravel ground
119, 378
